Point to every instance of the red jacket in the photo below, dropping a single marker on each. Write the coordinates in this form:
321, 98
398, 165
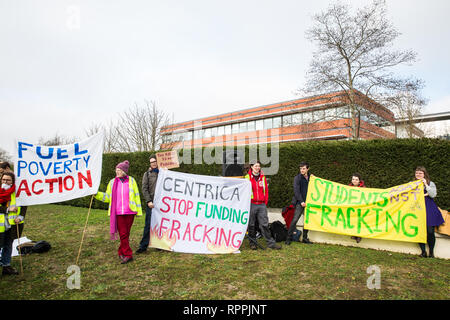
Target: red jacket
260, 190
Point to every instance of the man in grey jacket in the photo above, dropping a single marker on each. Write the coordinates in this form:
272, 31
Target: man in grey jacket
148, 190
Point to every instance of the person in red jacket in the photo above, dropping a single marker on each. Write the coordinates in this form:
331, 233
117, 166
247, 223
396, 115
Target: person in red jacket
258, 207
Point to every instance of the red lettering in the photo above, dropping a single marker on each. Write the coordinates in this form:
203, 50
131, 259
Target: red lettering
168, 207
187, 232
87, 179
175, 229
51, 182
205, 235
162, 227
34, 185
60, 184
65, 183
193, 235
239, 242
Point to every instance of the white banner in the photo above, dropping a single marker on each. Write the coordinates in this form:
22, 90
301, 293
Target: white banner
199, 214
57, 173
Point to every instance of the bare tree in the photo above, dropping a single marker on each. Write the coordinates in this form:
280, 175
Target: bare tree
407, 106
56, 140
5, 156
353, 54
138, 129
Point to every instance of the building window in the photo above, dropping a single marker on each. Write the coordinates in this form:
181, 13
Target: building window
297, 119
214, 132
207, 133
259, 124
235, 128
197, 134
342, 113
228, 129
307, 117
268, 123
221, 130
276, 122
243, 127
287, 120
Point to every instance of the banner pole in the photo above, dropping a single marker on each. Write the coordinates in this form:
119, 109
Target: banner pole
18, 245
84, 231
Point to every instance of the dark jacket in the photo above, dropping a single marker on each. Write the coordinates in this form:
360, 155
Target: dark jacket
300, 189
149, 184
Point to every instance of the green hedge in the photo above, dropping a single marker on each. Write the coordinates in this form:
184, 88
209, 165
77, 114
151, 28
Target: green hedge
382, 164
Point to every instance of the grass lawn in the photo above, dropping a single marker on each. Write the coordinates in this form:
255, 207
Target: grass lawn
298, 271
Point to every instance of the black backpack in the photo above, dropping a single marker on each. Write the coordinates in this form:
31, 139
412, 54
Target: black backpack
41, 246
278, 230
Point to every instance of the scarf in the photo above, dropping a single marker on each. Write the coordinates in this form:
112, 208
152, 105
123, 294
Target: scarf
113, 231
5, 195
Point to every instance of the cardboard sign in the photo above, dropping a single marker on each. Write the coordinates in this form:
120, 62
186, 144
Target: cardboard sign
167, 159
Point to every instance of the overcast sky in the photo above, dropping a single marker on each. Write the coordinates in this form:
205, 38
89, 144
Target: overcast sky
65, 65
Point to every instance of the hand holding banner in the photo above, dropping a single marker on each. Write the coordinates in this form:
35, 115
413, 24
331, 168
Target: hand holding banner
396, 213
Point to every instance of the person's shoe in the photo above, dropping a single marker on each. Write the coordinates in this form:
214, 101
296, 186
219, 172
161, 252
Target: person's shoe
126, 260
288, 241
8, 270
275, 246
141, 250
121, 257
423, 254
306, 241
253, 246
431, 255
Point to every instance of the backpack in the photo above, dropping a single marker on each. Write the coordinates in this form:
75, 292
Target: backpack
278, 230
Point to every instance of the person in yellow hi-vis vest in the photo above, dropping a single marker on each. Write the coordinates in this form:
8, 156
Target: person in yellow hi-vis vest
9, 217
122, 194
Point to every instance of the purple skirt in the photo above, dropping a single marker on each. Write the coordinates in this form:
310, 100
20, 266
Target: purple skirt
434, 216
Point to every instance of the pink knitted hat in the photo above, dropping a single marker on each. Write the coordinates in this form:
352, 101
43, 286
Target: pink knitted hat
124, 166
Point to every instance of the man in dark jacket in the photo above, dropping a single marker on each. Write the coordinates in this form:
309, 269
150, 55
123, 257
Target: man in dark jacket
148, 190
299, 201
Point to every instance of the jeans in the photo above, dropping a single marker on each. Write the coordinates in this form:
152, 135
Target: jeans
299, 210
258, 212
146, 235
6, 249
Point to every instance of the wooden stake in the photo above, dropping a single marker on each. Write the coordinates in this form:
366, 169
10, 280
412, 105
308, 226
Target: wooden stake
84, 231
20, 254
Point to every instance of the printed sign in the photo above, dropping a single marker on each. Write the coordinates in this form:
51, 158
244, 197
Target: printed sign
199, 214
396, 213
57, 173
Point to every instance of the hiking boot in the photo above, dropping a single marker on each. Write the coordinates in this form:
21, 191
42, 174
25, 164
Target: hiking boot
126, 260
8, 270
275, 246
423, 254
288, 241
141, 250
306, 241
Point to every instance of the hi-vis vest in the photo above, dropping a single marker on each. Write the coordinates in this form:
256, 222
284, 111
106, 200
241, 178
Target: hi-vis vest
2, 222
135, 199
13, 215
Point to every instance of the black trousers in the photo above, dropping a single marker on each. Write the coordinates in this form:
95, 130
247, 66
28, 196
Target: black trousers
431, 240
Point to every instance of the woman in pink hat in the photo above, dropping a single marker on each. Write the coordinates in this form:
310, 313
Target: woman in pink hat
122, 194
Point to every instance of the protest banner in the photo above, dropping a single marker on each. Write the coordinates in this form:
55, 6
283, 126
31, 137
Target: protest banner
49, 174
167, 159
199, 214
396, 213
